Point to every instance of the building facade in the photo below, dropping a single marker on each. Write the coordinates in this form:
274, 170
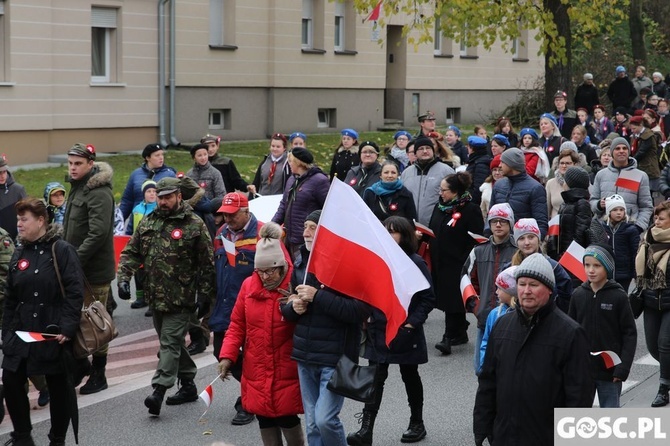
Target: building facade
77, 70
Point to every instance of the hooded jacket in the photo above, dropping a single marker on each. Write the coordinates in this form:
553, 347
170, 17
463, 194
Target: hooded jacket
479, 167
646, 154
639, 205
33, 301
89, 223
609, 323
424, 184
58, 212
209, 179
132, 194
10, 193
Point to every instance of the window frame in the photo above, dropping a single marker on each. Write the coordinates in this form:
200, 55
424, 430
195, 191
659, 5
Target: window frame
108, 22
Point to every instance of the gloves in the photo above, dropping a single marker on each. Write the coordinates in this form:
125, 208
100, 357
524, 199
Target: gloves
202, 308
124, 290
224, 368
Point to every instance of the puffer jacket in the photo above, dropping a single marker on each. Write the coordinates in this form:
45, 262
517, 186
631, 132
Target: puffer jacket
424, 184
609, 323
177, 254
479, 167
10, 193
209, 179
329, 328
33, 301
360, 178
229, 278
89, 223
575, 223
483, 265
639, 205
270, 386
409, 345
526, 196
303, 195
132, 194
624, 239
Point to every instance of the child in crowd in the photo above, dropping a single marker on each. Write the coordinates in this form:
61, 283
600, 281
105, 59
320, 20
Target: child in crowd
54, 196
204, 174
140, 211
506, 292
624, 239
601, 124
346, 155
601, 306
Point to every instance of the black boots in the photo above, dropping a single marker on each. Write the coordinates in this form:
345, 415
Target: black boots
97, 381
444, 345
242, 417
415, 432
198, 342
56, 441
20, 439
662, 398
187, 393
364, 435
154, 401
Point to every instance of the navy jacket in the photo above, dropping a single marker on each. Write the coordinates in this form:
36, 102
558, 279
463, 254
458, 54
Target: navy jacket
132, 194
526, 196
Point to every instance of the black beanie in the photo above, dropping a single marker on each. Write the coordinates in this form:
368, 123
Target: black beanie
149, 149
576, 178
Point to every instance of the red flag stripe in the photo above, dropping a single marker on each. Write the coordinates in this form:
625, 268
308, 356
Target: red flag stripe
573, 264
374, 15
628, 184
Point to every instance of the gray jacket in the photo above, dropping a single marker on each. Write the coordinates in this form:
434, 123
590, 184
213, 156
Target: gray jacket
639, 205
209, 178
424, 184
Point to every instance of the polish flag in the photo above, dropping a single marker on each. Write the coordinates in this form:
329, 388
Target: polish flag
33, 336
554, 227
611, 359
374, 15
120, 242
469, 295
355, 255
424, 229
572, 260
231, 252
630, 179
207, 395
478, 238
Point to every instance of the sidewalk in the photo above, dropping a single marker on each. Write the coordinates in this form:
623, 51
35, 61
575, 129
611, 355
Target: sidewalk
642, 394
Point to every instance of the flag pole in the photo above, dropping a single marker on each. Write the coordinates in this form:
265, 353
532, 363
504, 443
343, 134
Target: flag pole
210, 384
316, 234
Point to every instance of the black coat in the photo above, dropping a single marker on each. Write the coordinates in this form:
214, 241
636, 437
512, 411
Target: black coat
400, 203
343, 161
575, 222
552, 147
231, 176
531, 367
460, 151
409, 346
34, 301
360, 178
449, 250
479, 167
586, 97
609, 323
621, 92
624, 239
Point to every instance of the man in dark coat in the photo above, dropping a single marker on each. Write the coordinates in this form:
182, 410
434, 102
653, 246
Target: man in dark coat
537, 359
586, 95
479, 162
621, 91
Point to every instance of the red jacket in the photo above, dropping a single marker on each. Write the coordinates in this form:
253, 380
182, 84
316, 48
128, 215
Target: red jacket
270, 386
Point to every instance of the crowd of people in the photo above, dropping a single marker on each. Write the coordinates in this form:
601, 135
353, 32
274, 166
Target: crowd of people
497, 212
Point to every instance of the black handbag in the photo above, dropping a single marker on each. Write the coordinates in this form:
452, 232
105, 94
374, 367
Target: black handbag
353, 381
636, 302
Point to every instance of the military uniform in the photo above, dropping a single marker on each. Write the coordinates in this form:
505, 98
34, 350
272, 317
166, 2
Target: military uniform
6, 251
176, 250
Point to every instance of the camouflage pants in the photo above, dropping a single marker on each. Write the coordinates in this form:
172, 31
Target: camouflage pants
101, 292
174, 361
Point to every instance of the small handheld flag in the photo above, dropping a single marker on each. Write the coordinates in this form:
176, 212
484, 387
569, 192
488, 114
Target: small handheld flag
630, 179
554, 225
33, 336
478, 238
572, 260
207, 396
231, 252
611, 359
470, 299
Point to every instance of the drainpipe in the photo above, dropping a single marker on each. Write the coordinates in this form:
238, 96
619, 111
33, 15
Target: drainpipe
161, 73
173, 69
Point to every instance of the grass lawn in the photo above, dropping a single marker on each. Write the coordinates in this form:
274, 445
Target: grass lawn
246, 154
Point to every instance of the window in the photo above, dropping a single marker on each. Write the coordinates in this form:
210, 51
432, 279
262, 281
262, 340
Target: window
103, 45
222, 24
467, 52
307, 24
520, 46
416, 102
339, 26
326, 118
312, 34
442, 46
453, 115
219, 119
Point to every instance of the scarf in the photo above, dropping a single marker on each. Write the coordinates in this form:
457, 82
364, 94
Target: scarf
275, 284
400, 155
559, 177
381, 188
455, 203
651, 262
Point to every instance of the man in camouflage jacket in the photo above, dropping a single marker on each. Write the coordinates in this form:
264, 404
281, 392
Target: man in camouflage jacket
175, 247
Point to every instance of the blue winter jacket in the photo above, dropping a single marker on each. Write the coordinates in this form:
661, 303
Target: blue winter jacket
526, 196
132, 194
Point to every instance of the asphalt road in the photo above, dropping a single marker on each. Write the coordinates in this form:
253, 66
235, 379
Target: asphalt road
117, 416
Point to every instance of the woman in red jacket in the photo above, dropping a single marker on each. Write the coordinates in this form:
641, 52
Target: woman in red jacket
270, 387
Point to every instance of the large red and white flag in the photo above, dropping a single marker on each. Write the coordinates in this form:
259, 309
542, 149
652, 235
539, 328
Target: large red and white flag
231, 252
355, 255
554, 225
611, 359
572, 260
374, 15
630, 179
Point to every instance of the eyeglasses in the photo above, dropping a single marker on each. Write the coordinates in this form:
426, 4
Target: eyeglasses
410, 152
266, 272
566, 163
402, 138
497, 222
445, 190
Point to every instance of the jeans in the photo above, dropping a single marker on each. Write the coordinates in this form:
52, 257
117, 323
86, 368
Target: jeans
609, 393
322, 407
657, 335
478, 345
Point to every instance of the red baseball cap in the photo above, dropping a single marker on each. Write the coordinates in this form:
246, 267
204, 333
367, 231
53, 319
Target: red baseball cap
233, 202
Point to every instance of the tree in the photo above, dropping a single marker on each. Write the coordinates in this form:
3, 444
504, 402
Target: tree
637, 32
488, 22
